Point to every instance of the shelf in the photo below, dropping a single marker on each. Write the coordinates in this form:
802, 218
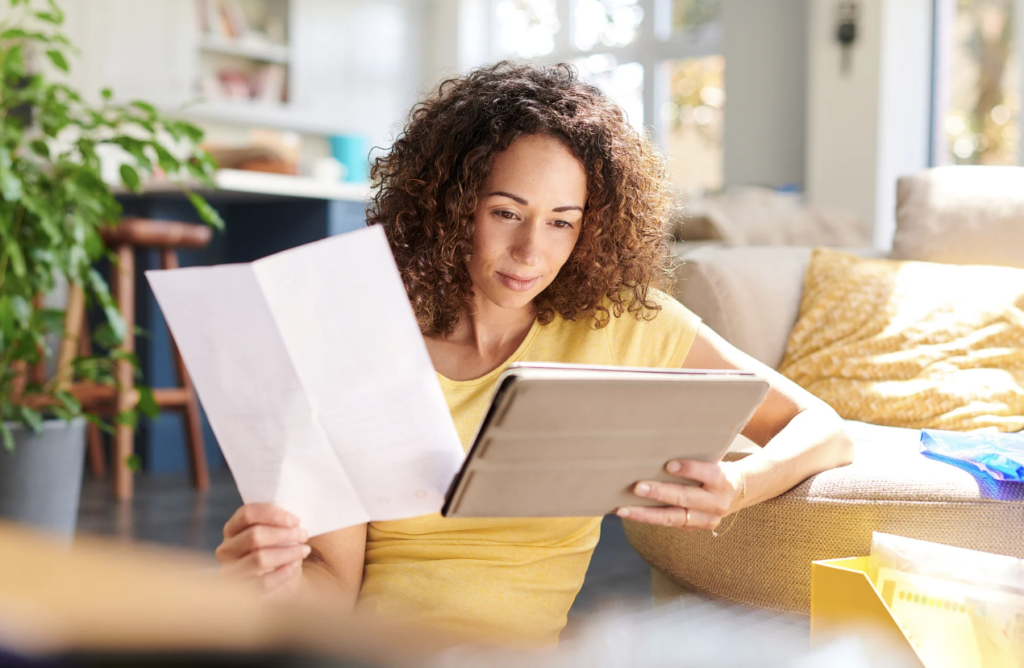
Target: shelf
266, 52
268, 115
236, 181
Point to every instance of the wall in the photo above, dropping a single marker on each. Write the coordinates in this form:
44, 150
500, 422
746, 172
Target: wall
764, 43
871, 124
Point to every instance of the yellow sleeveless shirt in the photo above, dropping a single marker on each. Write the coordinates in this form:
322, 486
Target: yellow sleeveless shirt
509, 580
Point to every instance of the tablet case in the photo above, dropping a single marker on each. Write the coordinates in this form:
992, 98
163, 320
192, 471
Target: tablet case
565, 440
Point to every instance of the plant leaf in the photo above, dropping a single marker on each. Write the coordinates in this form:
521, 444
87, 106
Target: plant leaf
17, 259
167, 162
206, 212
55, 8
107, 93
147, 404
22, 310
144, 106
134, 463
10, 185
8, 437
70, 403
40, 148
58, 60
127, 418
131, 178
32, 419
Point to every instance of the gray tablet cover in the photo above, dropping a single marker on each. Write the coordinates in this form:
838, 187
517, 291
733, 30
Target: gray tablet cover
571, 441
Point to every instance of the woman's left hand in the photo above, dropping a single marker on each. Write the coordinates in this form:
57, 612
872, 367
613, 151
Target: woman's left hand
689, 506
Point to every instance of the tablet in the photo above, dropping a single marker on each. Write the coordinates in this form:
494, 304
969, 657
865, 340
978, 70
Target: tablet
563, 440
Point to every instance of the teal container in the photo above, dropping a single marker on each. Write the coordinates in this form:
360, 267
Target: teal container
351, 151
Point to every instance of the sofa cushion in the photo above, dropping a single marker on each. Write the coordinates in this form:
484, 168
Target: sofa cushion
912, 344
961, 215
764, 556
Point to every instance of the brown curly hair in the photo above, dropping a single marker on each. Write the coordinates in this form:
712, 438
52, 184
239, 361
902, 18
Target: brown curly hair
427, 188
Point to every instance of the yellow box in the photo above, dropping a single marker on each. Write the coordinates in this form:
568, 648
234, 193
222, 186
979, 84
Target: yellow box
845, 601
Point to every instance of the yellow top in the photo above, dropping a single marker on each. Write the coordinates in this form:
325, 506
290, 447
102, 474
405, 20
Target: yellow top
510, 580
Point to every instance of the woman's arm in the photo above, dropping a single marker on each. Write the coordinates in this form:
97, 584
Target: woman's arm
265, 545
800, 434
333, 571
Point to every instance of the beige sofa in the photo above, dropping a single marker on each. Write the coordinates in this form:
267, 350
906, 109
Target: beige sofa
751, 296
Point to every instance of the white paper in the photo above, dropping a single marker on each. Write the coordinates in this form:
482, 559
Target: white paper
316, 380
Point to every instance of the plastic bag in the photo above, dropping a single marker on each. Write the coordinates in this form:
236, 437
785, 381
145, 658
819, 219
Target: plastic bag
959, 608
1001, 456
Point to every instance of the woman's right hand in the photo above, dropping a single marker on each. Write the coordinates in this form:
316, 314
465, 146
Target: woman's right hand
264, 544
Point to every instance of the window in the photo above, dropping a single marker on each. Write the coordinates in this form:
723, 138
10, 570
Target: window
657, 59
977, 105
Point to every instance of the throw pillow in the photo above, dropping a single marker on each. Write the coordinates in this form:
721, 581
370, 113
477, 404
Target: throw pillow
911, 344
965, 214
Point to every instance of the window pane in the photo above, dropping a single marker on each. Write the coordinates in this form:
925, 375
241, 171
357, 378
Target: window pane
527, 28
606, 22
693, 118
689, 15
981, 121
624, 84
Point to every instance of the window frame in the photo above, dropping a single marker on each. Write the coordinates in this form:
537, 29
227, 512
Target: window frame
654, 46
944, 13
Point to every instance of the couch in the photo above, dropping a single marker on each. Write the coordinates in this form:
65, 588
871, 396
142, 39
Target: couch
751, 296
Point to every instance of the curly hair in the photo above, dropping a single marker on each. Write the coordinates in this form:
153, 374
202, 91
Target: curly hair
427, 189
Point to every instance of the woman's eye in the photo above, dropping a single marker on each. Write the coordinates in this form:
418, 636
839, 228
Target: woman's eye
508, 215
563, 224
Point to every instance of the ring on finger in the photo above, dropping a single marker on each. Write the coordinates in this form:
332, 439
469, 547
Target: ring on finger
687, 521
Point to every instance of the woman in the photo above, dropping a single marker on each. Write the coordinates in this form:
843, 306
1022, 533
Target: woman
526, 218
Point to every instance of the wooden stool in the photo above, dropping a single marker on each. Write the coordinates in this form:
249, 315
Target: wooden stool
131, 234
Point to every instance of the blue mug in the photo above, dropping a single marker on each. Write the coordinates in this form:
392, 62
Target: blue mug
351, 152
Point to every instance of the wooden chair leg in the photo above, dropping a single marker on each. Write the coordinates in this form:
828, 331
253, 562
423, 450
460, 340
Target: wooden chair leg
95, 453
39, 368
124, 444
97, 458
190, 413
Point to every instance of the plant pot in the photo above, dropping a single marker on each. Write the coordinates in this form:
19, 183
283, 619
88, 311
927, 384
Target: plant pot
41, 481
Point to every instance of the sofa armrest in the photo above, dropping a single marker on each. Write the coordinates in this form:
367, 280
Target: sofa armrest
750, 295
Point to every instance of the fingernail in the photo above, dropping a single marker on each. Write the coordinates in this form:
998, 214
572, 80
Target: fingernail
303, 535
674, 467
622, 512
306, 549
643, 488
293, 521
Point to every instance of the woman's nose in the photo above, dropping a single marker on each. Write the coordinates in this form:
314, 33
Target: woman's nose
526, 248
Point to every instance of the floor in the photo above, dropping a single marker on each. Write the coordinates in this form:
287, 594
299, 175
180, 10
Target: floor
167, 510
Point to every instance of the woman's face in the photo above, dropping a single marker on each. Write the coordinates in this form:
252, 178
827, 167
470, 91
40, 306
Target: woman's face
527, 220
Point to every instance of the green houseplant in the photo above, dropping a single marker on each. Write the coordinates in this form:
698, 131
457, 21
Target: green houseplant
54, 205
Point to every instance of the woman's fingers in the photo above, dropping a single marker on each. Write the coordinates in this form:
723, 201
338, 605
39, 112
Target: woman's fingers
258, 513
678, 518
257, 537
683, 496
266, 560
280, 576
707, 474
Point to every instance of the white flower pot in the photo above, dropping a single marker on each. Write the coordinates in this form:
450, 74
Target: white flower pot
41, 481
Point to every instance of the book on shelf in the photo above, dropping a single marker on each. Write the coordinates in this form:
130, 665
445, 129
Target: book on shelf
268, 84
222, 19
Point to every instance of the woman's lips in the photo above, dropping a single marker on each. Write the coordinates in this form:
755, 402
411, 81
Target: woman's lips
517, 283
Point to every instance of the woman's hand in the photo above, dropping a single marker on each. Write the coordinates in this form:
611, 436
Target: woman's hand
689, 506
265, 545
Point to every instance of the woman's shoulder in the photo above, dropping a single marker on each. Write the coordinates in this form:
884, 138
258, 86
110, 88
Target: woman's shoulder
651, 337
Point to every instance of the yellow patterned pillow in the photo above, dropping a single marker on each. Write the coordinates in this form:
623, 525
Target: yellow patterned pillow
912, 344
